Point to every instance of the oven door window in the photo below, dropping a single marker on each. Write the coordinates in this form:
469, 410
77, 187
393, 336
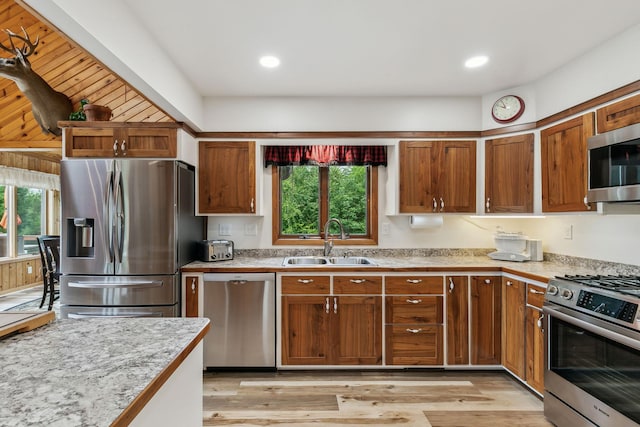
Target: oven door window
603, 368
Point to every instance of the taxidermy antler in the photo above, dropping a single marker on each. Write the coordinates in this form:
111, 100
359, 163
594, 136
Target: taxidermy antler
48, 106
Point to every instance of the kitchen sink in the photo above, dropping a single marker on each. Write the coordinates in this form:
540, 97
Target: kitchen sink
327, 261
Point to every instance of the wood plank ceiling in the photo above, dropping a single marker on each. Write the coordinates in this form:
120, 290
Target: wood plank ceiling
68, 69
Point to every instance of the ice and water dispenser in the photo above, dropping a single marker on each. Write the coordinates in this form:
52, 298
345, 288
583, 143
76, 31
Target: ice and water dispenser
80, 237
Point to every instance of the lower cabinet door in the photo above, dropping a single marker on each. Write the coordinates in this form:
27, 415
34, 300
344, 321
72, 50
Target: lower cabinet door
357, 330
305, 330
534, 350
414, 344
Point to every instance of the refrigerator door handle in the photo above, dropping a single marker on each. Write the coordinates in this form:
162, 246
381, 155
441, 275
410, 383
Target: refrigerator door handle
118, 226
107, 214
108, 285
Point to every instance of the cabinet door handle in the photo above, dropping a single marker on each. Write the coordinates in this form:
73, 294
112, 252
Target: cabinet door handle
414, 301
335, 305
414, 331
441, 204
414, 281
539, 322
115, 147
487, 281
509, 283
357, 281
488, 204
326, 305
305, 281
252, 206
123, 147
451, 285
587, 204
193, 285
533, 291
435, 204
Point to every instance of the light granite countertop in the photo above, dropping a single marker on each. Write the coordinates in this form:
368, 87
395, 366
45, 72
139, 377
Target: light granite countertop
541, 271
86, 372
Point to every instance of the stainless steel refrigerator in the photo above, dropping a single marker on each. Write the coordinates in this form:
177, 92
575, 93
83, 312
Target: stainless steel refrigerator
127, 228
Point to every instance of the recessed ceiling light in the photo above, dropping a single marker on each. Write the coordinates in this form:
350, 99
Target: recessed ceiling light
269, 61
476, 61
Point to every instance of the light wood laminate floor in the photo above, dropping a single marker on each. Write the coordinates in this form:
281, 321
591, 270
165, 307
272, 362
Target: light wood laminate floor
364, 398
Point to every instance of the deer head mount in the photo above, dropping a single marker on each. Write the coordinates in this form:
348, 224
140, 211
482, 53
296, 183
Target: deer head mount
48, 106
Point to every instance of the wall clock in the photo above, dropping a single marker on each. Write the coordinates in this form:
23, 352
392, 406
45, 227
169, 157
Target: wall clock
507, 109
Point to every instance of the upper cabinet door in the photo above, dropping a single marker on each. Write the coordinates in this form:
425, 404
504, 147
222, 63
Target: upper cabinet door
509, 174
417, 185
227, 177
564, 165
457, 179
120, 141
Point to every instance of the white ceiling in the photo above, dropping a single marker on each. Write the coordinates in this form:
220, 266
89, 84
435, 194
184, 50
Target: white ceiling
376, 47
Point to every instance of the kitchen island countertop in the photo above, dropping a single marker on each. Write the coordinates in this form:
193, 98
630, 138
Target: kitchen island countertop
91, 372
541, 271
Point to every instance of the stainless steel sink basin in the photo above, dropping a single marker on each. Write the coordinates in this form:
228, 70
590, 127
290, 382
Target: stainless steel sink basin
326, 261
305, 260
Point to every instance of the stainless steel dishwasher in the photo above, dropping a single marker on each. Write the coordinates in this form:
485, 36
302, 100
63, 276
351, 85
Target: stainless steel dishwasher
242, 309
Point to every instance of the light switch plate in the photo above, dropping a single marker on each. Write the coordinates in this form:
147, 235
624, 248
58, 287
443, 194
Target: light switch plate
568, 232
224, 229
250, 229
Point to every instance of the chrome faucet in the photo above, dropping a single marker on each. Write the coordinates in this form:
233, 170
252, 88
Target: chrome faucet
328, 244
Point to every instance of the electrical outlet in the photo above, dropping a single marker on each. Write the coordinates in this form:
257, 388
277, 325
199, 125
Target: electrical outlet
224, 229
386, 228
29, 269
568, 232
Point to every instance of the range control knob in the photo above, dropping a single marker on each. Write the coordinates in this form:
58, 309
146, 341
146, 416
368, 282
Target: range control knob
566, 294
552, 290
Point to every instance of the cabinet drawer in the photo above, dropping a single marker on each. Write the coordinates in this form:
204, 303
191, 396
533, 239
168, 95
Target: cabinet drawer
305, 285
357, 285
413, 285
535, 295
414, 345
414, 309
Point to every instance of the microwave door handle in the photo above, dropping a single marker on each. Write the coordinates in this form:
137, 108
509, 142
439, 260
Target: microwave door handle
602, 331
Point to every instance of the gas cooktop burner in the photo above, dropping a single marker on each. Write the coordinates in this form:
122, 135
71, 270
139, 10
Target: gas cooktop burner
623, 284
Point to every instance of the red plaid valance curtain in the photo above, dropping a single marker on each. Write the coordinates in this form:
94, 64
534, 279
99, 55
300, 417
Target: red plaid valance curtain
324, 155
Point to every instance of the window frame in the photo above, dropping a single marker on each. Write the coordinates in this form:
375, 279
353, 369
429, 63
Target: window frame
372, 212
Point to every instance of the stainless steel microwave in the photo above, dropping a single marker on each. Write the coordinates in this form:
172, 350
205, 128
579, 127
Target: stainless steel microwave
614, 165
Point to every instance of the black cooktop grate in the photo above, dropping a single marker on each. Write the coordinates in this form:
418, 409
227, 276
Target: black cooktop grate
619, 283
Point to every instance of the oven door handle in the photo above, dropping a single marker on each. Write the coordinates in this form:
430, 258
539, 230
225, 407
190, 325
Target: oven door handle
598, 327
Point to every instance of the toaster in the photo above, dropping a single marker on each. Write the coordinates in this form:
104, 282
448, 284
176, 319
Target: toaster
215, 250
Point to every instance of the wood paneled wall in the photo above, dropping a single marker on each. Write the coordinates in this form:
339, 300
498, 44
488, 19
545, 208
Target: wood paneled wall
68, 69
33, 162
15, 274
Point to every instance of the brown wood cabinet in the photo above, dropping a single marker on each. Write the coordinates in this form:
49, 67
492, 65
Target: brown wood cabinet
534, 336
226, 177
115, 140
457, 292
564, 165
619, 114
513, 325
485, 320
343, 328
509, 174
437, 176
414, 320
191, 296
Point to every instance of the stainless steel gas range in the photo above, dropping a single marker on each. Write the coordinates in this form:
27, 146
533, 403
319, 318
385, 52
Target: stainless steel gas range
592, 372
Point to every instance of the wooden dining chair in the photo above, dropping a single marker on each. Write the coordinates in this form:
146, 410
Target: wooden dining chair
49, 247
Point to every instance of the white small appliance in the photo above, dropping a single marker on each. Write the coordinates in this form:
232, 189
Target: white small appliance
516, 247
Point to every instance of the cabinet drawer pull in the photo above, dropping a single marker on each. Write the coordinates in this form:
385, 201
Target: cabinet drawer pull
305, 281
487, 281
357, 281
414, 281
414, 331
326, 305
509, 283
533, 291
414, 301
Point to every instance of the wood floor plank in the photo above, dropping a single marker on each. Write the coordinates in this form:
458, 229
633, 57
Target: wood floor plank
487, 419
272, 402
